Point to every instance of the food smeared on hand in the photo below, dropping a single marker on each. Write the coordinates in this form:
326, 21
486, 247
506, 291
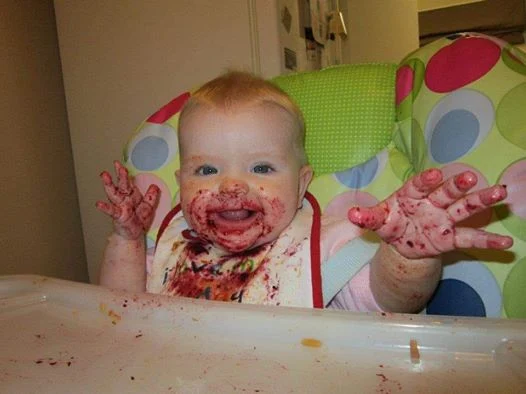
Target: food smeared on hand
420, 219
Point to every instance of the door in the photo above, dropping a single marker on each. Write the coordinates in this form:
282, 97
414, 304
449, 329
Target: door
122, 60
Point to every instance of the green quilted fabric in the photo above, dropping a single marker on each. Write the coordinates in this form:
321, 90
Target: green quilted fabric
349, 112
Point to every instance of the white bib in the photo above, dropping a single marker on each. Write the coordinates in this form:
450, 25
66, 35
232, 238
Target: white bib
283, 272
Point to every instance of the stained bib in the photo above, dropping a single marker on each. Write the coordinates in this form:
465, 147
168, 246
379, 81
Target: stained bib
283, 272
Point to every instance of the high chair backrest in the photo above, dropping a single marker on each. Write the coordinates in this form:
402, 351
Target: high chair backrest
457, 103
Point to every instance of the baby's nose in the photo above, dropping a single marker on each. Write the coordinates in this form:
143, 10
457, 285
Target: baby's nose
236, 186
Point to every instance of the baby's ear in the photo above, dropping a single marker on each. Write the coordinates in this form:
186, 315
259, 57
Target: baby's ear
304, 182
177, 177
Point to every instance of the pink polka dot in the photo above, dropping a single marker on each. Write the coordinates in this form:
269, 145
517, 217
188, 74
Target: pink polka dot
404, 83
169, 109
514, 177
462, 62
340, 205
143, 181
480, 219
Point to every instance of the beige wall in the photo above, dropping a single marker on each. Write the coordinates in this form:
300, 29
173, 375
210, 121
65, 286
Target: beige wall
124, 59
40, 229
380, 30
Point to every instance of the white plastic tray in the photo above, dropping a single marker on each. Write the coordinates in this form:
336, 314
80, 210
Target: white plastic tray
63, 337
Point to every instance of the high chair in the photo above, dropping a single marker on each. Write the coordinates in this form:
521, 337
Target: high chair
456, 103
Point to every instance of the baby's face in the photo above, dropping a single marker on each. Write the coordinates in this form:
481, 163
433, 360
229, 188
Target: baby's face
241, 179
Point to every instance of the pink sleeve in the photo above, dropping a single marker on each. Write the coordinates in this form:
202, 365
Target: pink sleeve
356, 295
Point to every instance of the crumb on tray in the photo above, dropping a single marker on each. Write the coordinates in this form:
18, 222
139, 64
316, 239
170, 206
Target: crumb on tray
414, 352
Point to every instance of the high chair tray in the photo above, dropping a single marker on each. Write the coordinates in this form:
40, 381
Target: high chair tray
64, 337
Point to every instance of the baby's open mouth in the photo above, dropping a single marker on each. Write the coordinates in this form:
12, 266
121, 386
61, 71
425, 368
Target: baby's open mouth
236, 215
233, 219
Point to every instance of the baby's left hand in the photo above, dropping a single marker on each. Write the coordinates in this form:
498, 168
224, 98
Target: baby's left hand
420, 219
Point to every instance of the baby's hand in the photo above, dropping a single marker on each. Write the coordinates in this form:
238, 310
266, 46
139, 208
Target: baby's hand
131, 212
420, 219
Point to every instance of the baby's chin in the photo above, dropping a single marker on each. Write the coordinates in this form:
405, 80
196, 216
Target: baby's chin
238, 243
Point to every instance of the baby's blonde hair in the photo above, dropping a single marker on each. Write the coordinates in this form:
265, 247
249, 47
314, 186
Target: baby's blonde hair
236, 90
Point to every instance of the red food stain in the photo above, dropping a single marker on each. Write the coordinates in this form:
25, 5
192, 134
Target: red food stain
224, 280
210, 214
471, 207
382, 376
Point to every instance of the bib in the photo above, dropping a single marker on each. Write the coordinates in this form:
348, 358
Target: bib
283, 272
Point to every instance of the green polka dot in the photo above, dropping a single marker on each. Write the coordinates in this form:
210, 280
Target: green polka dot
418, 147
404, 110
409, 140
515, 60
419, 70
400, 165
511, 116
513, 292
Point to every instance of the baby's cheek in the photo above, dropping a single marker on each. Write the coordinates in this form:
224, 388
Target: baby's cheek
196, 210
275, 214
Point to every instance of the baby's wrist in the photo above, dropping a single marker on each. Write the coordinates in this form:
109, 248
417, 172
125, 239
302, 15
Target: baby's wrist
391, 249
130, 234
120, 236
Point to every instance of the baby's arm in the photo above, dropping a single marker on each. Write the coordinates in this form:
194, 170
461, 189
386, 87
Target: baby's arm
418, 223
124, 261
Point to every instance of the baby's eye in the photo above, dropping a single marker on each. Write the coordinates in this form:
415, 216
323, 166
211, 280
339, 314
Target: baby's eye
206, 170
262, 169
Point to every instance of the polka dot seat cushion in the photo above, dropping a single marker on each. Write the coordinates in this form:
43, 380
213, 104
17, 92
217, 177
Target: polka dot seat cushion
461, 104
457, 103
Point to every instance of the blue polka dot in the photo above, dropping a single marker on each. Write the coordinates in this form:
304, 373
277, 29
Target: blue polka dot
454, 135
150, 153
456, 298
359, 176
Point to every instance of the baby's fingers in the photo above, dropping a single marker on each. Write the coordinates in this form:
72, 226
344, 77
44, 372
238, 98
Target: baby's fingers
472, 238
146, 209
476, 202
109, 188
453, 189
123, 179
371, 218
109, 209
421, 185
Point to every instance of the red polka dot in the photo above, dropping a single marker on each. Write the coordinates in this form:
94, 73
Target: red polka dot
462, 62
404, 83
169, 109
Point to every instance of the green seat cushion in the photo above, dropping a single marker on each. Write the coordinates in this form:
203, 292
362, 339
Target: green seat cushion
349, 112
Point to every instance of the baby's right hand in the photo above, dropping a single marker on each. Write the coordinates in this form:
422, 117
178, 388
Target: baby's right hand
132, 212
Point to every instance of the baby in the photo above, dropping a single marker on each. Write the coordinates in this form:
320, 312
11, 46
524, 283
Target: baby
247, 230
